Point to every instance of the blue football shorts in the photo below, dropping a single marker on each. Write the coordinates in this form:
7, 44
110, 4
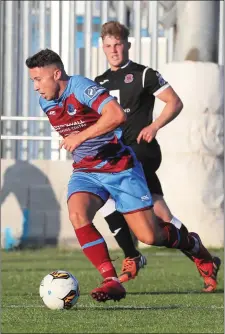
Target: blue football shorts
128, 188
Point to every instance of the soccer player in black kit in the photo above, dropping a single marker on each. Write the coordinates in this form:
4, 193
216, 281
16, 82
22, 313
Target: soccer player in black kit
135, 86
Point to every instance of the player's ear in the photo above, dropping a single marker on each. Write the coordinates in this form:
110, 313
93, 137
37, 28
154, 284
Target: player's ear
57, 74
129, 45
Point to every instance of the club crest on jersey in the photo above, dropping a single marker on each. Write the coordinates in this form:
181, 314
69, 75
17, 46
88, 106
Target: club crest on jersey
129, 78
71, 110
93, 90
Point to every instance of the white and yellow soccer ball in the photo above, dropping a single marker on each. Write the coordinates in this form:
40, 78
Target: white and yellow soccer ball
59, 290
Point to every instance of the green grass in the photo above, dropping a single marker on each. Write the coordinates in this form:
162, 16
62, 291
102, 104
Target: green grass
165, 298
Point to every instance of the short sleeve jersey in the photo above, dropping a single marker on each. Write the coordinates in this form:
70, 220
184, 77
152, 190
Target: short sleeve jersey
79, 107
135, 87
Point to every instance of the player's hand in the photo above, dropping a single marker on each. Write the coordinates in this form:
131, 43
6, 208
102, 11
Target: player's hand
147, 133
71, 142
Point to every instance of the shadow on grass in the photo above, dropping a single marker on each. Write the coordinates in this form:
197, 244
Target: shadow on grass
126, 307
170, 292
153, 293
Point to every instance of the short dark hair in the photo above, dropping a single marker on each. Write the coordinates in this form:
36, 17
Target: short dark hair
44, 58
115, 29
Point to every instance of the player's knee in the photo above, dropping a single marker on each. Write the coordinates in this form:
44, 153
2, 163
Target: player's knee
148, 239
77, 219
164, 217
161, 209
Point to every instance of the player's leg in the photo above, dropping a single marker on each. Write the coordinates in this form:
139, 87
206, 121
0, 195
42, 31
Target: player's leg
119, 228
131, 194
161, 209
207, 265
82, 208
85, 197
117, 223
133, 260
164, 214
203, 260
148, 230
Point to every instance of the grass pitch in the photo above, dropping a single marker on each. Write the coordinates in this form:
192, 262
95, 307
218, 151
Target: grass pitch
165, 298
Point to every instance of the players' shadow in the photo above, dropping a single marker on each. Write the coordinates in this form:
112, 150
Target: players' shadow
125, 307
38, 203
152, 293
171, 292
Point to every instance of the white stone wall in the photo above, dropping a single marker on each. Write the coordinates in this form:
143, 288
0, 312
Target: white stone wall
200, 41
192, 148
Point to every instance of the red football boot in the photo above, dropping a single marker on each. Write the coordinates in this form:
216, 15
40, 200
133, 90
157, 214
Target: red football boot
207, 265
110, 289
131, 267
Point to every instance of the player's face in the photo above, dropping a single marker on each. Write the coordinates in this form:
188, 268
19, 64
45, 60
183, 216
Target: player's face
45, 81
116, 51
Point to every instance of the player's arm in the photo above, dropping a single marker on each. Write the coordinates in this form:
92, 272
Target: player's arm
112, 117
157, 86
171, 109
96, 97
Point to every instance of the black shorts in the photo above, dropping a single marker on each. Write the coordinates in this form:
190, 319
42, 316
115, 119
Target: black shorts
150, 157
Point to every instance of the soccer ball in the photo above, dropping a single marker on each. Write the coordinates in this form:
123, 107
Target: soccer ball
59, 290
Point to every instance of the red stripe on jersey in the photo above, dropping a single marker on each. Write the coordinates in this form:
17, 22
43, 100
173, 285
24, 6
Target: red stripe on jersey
114, 165
119, 164
88, 163
95, 105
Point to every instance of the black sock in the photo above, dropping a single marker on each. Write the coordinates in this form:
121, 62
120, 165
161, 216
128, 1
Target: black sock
121, 232
177, 238
193, 243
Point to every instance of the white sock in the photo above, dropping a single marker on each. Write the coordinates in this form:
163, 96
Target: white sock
176, 222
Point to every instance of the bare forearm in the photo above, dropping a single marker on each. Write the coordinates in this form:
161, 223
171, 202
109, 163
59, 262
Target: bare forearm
169, 112
99, 128
111, 118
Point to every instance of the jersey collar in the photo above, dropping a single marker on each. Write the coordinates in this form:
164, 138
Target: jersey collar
122, 67
65, 92
129, 61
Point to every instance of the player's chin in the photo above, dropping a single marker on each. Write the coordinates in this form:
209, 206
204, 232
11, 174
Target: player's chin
116, 62
43, 96
48, 98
